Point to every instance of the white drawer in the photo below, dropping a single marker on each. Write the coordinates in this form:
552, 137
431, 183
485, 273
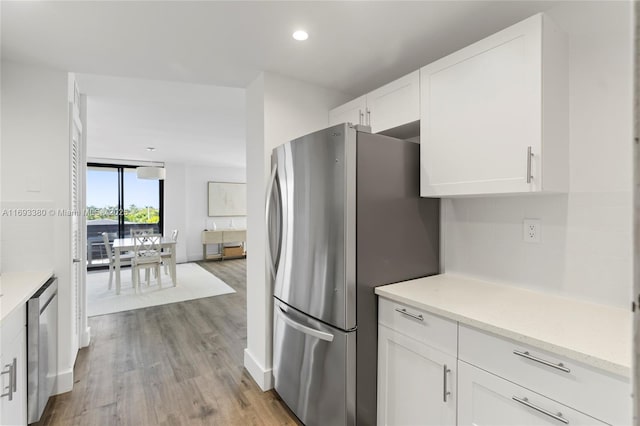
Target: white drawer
435, 331
13, 324
595, 392
486, 399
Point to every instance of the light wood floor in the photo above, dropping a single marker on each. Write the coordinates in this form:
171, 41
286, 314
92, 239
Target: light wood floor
177, 364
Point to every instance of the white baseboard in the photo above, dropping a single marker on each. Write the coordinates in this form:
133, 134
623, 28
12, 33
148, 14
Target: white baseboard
64, 382
263, 377
85, 338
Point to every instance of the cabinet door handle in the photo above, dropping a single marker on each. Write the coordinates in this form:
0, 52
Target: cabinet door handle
361, 115
10, 369
403, 311
368, 117
556, 416
529, 156
445, 392
14, 382
560, 366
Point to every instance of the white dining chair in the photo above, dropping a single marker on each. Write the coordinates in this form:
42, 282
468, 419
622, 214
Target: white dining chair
146, 254
166, 253
125, 258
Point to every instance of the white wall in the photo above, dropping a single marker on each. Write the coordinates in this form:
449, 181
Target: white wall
586, 248
35, 170
186, 205
175, 206
278, 109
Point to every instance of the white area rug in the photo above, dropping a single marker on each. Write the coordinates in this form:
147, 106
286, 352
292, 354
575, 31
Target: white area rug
194, 282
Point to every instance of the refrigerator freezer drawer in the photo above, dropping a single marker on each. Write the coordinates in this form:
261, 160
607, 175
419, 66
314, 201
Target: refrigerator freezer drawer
314, 368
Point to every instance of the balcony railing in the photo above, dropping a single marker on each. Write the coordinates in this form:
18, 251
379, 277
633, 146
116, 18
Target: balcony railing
96, 251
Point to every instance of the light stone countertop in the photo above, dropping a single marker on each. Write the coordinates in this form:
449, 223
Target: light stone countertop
596, 335
17, 287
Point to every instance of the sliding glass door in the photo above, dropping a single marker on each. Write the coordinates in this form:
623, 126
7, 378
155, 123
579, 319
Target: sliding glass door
117, 202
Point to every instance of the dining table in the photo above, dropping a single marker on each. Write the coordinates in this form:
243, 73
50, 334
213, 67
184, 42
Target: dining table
122, 245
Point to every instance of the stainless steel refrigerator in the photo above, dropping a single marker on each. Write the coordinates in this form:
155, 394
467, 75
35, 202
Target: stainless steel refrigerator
343, 216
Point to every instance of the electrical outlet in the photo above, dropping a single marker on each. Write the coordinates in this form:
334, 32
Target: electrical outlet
531, 230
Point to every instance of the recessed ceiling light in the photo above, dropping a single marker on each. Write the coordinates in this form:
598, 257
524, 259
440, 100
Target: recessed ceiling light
150, 149
300, 35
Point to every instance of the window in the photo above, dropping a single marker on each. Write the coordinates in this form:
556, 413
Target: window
117, 201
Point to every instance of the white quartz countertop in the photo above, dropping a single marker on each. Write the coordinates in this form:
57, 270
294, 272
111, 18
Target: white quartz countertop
596, 335
17, 287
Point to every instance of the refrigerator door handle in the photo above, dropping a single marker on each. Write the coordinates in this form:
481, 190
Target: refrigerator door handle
270, 183
303, 328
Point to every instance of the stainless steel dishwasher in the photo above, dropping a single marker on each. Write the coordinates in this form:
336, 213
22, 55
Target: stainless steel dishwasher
42, 348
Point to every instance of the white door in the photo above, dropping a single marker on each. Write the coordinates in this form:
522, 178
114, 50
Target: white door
394, 104
488, 400
416, 383
351, 112
480, 112
78, 220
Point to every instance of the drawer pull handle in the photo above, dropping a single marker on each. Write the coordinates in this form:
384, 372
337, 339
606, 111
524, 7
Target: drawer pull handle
445, 392
10, 369
403, 311
557, 416
527, 355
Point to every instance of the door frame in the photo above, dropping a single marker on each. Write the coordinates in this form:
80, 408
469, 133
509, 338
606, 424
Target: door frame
84, 337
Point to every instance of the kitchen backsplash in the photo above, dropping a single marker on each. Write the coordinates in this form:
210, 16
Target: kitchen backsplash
584, 252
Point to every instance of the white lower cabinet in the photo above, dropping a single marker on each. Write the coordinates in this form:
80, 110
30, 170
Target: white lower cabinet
435, 371
13, 381
599, 394
488, 400
416, 383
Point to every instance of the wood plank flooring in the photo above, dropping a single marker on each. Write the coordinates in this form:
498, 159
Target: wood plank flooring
177, 364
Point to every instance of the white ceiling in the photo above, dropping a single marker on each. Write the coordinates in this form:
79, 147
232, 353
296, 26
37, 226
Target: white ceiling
353, 47
187, 123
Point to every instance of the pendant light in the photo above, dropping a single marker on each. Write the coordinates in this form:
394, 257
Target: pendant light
154, 173
151, 172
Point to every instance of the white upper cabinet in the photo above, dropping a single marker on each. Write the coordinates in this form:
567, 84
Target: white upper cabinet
392, 105
494, 115
351, 112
